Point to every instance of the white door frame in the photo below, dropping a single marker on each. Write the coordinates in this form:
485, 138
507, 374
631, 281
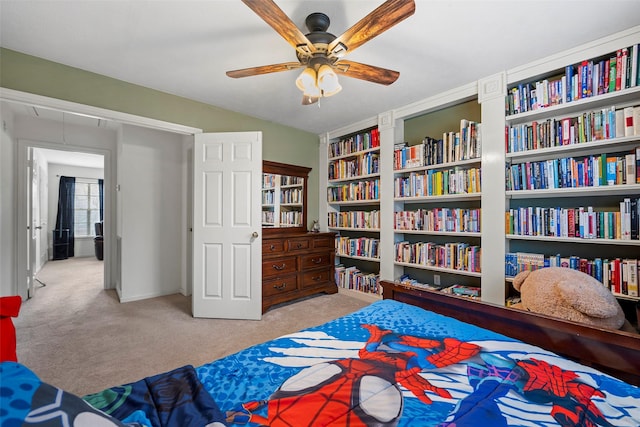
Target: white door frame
26, 98
24, 206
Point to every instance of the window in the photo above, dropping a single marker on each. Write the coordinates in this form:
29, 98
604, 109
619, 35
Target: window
87, 207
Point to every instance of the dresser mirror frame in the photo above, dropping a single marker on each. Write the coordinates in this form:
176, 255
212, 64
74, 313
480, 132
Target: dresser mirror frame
288, 170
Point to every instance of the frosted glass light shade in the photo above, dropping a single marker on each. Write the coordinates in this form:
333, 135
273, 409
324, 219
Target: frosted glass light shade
306, 82
328, 81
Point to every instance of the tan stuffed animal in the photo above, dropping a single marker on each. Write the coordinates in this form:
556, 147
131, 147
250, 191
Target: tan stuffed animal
569, 294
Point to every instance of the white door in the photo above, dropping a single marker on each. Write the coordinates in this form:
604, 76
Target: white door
33, 222
227, 240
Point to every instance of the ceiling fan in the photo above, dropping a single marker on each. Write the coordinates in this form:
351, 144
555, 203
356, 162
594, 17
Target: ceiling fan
320, 53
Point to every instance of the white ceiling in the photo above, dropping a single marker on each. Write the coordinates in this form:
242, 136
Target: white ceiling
184, 47
72, 158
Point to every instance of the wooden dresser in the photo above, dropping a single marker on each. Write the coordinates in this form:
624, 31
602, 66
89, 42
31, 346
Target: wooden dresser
295, 265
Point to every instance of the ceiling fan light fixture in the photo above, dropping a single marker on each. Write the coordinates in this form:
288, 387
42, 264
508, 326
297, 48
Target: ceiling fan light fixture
306, 82
328, 81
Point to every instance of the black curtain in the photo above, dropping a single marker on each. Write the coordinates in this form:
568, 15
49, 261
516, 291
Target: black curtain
63, 234
101, 192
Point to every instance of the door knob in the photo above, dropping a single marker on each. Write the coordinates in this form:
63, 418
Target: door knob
254, 234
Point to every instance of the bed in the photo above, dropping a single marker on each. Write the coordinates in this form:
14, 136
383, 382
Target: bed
390, 363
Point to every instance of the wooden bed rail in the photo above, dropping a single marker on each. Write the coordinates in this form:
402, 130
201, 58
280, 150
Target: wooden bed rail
614, 352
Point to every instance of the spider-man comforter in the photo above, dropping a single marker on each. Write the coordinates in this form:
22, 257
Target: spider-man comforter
395, 364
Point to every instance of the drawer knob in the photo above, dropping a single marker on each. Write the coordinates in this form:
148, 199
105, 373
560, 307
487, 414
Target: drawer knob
299, 244
316, 278
279, 267
280, 287
316, 260
272, 247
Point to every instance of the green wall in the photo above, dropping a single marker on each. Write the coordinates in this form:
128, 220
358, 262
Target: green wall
38, 76
435, 123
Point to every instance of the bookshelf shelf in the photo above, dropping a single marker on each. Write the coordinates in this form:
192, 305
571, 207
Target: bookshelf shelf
441, 198
605, 190
579, 149
440, 269
440, 233
605, 100
375, 202
615, 242
365, 230
468, 162
361, 258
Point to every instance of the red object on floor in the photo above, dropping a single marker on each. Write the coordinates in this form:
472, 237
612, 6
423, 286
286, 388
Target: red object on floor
9, 307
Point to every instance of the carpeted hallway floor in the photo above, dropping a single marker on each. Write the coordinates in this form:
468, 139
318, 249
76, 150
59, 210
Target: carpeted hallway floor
78, 336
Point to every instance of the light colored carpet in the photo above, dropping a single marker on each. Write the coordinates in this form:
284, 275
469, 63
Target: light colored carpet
78, 336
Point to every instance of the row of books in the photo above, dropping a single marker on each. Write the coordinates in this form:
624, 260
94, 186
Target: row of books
291, 218
291, 195
288, 180
355, 143
581, 222
352, 278
362, 247
596, 125
464, 144
355, 219
619, 275
271, 180
439, 219
455, 256
268, 197
354, 191
570, 172
268, 218
362, 164
613, 72
438, 183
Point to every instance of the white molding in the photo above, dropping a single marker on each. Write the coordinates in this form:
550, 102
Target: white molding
11, 95
492, 87
385, 120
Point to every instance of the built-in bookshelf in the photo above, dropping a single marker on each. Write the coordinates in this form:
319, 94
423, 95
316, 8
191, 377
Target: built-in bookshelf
571, 177
546, 148
353, 194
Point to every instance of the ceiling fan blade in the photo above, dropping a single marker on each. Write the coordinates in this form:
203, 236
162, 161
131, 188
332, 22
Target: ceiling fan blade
265, 69
381, 19
279, 21
308, 100
366, 72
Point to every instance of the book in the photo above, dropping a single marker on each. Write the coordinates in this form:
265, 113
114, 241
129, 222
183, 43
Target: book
630, 168
632, 278
628, 121
611, 170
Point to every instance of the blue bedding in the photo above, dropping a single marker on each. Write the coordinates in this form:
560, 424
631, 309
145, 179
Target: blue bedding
395, 364
388, 364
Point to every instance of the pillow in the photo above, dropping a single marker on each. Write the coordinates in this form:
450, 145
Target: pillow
26, 399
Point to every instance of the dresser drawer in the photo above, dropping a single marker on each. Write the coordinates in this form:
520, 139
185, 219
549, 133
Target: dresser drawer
312, 278
279, 285
272, 246
328, 242
297, 244
279, 266
321, 259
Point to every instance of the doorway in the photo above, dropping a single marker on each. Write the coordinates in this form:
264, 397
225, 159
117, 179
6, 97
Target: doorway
48, 166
